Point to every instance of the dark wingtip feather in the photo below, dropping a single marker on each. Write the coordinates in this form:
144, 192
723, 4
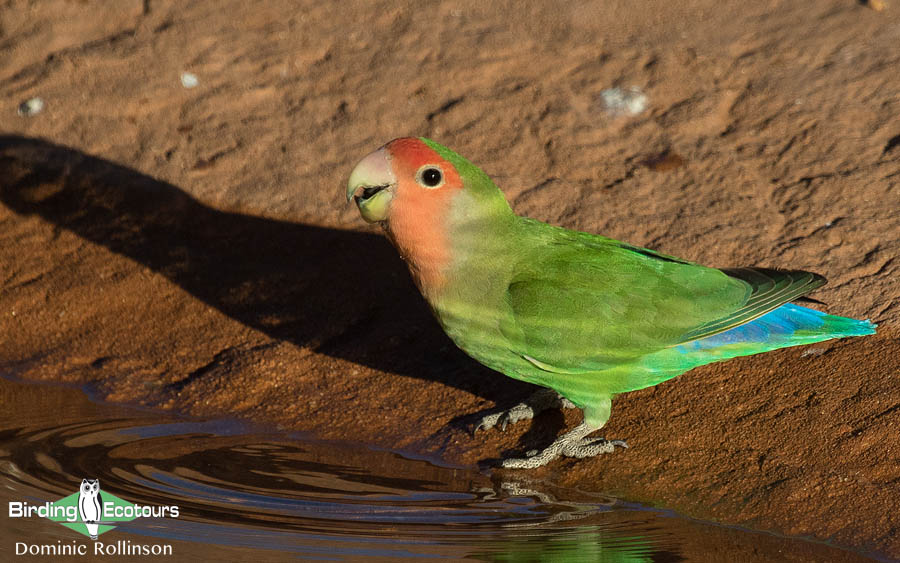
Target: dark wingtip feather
770, 289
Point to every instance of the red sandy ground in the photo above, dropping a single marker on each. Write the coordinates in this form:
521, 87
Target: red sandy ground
190, 249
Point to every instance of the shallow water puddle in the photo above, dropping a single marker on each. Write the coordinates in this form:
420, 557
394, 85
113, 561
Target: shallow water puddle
248, 495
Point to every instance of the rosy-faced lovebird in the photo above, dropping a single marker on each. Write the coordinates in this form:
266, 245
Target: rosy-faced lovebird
584, 316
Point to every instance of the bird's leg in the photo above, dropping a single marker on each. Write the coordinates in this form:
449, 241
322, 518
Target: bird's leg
540, 401
574, 443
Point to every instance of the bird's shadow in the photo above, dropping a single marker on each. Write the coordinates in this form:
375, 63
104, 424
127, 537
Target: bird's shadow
342, 293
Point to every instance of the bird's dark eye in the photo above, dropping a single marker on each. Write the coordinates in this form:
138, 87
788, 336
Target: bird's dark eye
430, 177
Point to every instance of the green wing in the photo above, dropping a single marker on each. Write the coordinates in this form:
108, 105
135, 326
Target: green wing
580, 303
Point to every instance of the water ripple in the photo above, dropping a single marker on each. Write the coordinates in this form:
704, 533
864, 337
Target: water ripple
262, 495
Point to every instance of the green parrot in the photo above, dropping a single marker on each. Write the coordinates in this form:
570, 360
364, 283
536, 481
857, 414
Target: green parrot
584, 316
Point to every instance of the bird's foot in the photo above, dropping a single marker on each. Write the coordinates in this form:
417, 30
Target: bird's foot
532, 406
574, 443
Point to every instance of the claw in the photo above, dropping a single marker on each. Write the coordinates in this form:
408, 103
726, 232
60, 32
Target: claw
534, 405
574, 443
489, 422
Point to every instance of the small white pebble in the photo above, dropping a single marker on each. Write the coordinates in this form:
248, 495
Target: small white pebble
31, 107
624, 101
189, 80
812, 352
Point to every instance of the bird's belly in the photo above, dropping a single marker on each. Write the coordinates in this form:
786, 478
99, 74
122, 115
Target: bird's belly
475, 329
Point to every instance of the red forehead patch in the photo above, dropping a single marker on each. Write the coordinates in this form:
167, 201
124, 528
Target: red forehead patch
408, 154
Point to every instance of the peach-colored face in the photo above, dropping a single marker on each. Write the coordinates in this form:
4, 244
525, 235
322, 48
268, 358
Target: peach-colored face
408, 188
425, 186
425, 181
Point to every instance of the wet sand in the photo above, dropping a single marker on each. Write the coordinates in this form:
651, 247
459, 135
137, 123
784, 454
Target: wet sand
189, 249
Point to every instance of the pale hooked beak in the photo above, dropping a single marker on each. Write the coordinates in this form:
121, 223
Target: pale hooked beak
372, 185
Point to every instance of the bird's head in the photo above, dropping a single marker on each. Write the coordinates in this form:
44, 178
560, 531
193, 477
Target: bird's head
404, 172
416, 173
426, 197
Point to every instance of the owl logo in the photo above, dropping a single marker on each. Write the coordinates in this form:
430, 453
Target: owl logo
90, 505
